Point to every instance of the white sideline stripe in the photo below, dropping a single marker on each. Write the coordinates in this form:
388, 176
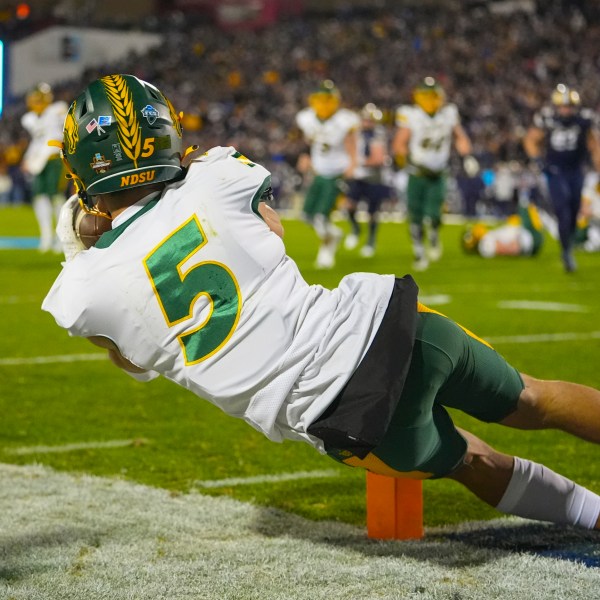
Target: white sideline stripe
235, 481
71, 447
58, 358
551, 306
544, 337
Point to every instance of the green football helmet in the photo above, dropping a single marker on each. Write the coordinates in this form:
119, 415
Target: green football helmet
120, 133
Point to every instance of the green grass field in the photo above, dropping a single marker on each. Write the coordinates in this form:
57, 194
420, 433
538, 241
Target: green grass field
181, 440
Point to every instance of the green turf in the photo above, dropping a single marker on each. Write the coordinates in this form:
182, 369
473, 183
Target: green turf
183, 440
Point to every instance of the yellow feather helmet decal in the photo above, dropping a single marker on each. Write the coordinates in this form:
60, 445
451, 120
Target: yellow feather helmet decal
119, 96
71, 131
174, 117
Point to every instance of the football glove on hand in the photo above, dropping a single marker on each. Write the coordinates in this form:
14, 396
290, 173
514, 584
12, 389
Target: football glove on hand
65, 231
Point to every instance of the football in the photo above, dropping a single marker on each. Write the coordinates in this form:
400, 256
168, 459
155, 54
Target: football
89, 227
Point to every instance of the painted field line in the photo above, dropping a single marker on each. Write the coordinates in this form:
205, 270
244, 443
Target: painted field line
19, 299
58, 358
544, 337
235, 481
24, 450
549, 306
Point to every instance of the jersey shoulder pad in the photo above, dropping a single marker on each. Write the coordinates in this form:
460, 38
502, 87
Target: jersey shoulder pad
348, 117
589, 115
403, 115
451, 111
227, 161
305, 117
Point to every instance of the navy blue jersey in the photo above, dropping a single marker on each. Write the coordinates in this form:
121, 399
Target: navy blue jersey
566, 138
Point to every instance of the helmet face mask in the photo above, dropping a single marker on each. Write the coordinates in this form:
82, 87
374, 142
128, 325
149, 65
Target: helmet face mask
429, 95
325, 101
120, 133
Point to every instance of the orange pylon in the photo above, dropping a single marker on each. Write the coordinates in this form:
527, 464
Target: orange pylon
394, 507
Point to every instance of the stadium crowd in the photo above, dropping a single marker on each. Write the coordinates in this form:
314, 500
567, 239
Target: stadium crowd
243, 88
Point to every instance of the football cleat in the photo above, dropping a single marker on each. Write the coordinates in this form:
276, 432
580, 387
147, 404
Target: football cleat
351, 241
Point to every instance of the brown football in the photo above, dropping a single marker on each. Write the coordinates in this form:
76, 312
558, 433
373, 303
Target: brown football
89, 226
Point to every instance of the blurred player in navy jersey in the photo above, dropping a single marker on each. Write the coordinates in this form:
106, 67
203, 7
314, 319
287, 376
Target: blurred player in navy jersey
561, 140
367, 181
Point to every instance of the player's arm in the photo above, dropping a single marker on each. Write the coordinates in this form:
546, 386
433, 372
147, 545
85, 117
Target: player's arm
400, 145
271, 218
532, 142
593, 144
114, 354
462, 143
351, 145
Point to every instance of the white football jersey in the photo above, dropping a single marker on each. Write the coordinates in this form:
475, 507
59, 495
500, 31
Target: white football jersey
327, 149
431, 136
195, 285
42, 128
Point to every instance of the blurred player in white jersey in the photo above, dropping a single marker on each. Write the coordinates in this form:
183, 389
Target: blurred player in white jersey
521, 235
331, 132
367, 183
44, 121
423, 141
588, 225
193, 283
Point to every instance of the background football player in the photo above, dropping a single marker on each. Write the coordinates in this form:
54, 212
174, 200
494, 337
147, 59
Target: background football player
44, 122
423, 141
521, 235
331, 132
561, 139
367, 180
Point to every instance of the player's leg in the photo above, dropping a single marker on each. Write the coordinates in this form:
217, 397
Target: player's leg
434, 201
374, 194
42, 207
523, 488
558, 189
570, 407
415, 194
353, 197
484, 385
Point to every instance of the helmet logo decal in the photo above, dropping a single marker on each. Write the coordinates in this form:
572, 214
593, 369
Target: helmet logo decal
120, 98
71, 131
174, 117
137, 178
150, 113
104, 120
100, 164
93, 124
117, 152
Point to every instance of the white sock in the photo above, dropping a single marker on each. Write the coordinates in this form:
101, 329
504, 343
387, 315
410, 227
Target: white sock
536, 492
42, 208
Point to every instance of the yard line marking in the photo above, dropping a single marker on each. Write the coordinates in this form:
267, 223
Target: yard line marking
544, 337
535, 305
235, 481
71, 447
58, 358
19, 299
435, 299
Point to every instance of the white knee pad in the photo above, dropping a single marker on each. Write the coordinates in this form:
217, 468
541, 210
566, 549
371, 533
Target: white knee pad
536, 492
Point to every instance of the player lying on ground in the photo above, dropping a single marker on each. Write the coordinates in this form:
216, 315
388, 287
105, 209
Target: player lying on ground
193, 283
